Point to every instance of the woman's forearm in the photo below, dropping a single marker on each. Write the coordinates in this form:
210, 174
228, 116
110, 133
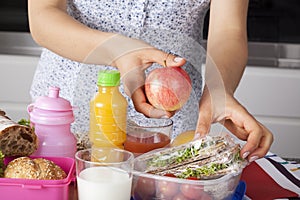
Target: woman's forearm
227, 40
229, 57
53, 28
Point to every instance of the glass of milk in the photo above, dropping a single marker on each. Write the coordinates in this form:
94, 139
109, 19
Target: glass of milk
104, 173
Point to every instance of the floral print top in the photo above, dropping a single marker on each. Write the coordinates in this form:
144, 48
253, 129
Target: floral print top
170, 25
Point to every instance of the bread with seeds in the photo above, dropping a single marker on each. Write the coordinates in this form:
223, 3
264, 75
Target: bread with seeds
16, 139
37, 168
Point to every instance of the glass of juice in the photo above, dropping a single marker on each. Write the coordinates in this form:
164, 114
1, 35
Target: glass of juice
104, 173
146, 134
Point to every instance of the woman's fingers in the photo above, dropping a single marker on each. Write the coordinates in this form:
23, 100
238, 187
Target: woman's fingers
205, 117
239, 122
203, 124
141, 105
166, 59
132, 66
263, 146
242, 124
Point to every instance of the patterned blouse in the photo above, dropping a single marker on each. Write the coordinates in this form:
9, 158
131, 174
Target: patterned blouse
170, 25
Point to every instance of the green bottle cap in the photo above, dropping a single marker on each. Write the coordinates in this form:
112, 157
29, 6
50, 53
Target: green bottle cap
108, 78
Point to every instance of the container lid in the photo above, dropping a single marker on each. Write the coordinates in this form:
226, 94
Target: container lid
53, 102
108, 78
240, 191
51, 109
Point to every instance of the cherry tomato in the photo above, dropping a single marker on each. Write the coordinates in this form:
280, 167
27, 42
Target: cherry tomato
136, 196
145, 187
192, 191
170, 175
180, 196
163, 196
167, 188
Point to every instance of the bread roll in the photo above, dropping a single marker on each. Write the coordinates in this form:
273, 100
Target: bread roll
16, 139
38, 168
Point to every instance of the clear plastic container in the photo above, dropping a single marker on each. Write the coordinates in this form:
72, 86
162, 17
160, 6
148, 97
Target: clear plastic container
208, 169
108, 112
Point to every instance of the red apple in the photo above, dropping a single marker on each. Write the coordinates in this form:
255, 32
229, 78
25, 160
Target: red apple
168, 88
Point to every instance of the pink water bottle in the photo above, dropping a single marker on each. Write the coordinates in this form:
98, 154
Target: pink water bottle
51, 116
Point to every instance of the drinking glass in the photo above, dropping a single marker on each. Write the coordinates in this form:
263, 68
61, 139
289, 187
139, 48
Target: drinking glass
104, 173
145, 134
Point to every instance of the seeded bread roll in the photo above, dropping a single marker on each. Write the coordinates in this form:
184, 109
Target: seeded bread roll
38, 168
16, 139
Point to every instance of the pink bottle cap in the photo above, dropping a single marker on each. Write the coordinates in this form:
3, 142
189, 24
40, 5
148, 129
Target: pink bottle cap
51, 109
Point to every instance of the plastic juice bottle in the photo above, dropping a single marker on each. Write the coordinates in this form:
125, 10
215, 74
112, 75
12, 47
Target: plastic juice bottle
108, 112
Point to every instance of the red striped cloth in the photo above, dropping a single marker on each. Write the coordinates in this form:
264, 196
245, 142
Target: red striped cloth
261, 186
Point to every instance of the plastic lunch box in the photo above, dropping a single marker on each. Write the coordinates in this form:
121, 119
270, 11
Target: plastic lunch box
152, 186
228, 187
239, 193
21, 189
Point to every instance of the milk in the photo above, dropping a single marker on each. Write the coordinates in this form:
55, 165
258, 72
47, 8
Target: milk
105, 183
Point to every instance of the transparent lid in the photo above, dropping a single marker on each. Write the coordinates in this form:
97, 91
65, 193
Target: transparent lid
209, 157
108, 78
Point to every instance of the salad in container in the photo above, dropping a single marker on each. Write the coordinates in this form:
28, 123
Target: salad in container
207, 168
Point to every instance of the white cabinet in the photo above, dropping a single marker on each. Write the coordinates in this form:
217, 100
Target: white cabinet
272, 95
15, 80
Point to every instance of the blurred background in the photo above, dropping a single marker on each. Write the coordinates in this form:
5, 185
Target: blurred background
270, 88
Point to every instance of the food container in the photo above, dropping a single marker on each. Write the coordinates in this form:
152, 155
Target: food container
158, 181
21, 189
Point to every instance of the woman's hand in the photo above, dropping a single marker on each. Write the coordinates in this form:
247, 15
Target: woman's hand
237, 120
132, 60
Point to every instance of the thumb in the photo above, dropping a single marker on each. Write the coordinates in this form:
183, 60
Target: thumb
202, 129
168, 59
173, 61
203, 124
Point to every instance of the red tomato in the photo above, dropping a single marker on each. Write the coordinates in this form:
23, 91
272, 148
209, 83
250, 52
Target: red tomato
162, 196
145, 187
170, 175
192, 191
167, 188
180, 196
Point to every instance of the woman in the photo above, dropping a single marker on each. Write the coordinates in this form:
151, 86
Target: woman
82, 36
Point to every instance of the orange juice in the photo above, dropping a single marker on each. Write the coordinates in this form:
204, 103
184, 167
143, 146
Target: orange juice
108, 111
